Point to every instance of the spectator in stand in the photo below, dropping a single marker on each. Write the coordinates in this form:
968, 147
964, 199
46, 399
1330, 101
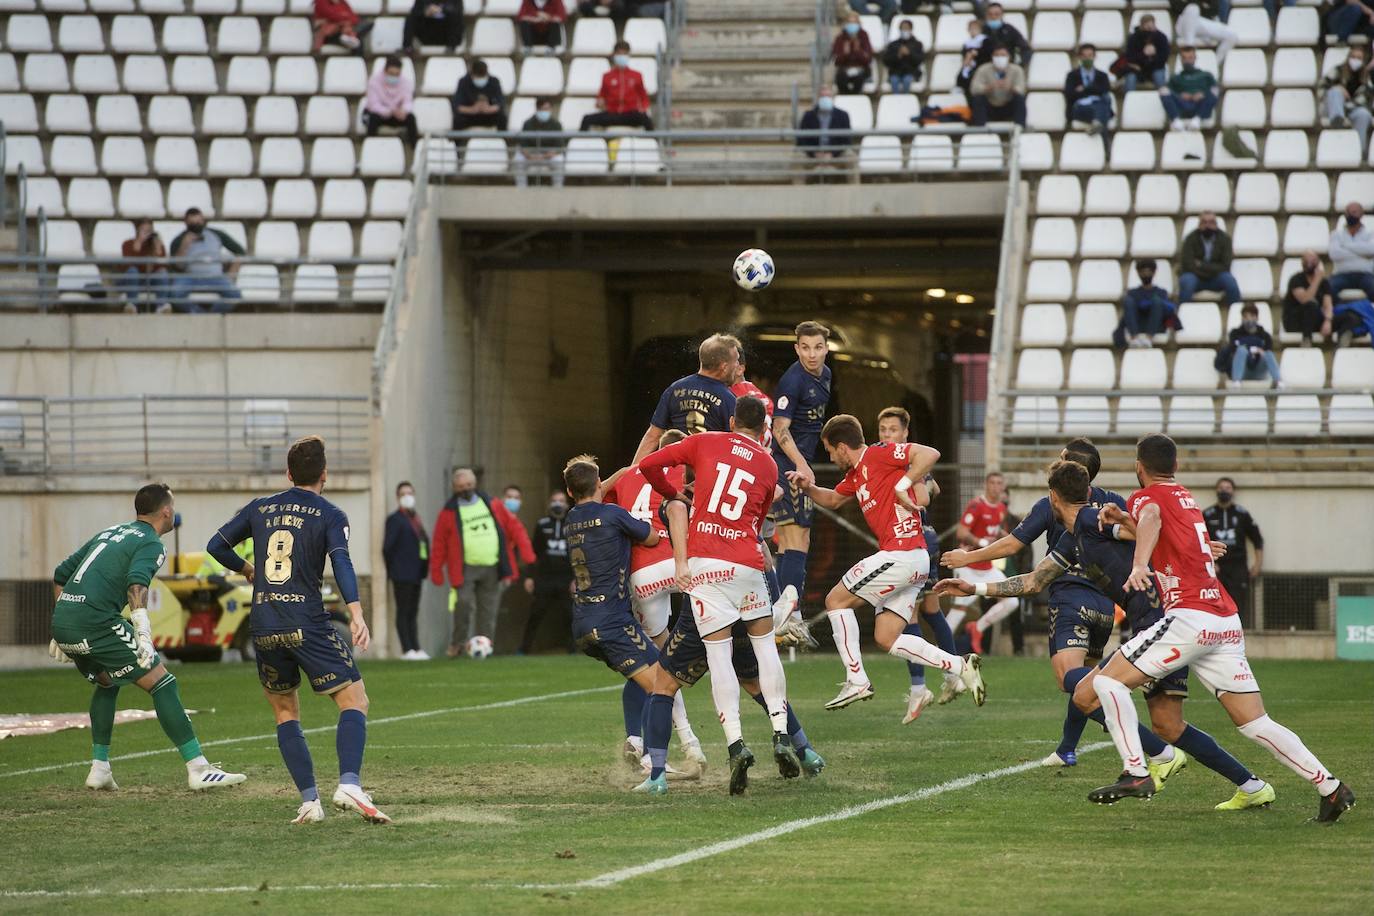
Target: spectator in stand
336, 22
1146, 55
138, 279
405, 549
997, 91
1191, 93
203, 252
1252, 347
622, 101
521, 554
1352, 254
1146, 311
434, 22
390, 97
1088, 94
853, 56
903, 58
1199, 22
1206, 262
615, 9
470, 543
825, 117
541, 24
1002, 34
1346, 95
972, 45
1309, 306
1272, 8
1350, 17
549, 579
886, 8
479, 101
540, 155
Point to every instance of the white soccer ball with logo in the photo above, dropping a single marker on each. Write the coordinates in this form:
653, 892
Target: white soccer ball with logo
479, 647
754, 269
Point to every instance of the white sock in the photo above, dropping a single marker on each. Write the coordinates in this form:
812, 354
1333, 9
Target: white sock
997, 612
783, 609
199, 763
1122, 722
1252, 785
955, 617
772, 679
846, 629
1164, 756
685, 735
915, 649
724, 686
1289, 750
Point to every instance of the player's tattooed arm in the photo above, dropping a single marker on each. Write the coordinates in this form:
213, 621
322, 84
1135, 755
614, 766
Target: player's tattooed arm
782, 435
1030, 583
138, 597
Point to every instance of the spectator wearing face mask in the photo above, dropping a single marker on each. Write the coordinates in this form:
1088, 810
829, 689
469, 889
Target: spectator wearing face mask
1198, 22
1088, 93
434, 22
1350, 17
1233, 525
1206, 262
853, 56
405, 548
471, 550
517, 538
623, 100
1346, 96
549, 579
541, 24
1251, 350
1191, 93
903, 58
1352, 254
997, 91
825, 117
1002, 34
204, 252
1146, 56
390, 97
540, 155
479, 101
144, 277
886, 8
1146, 311
1309, 306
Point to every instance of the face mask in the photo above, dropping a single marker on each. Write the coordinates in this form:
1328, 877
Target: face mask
464, 495
1147, 277
1355, 63
1000, 61
407, 501
558, 510
543, 116
994, 24
1223, 496
1085, 62
906, 34
1188, 66
480, 82
512, 503
621, 60
1352, 220
196, 227
851, 28
1250, 326
393, 80
825, 103
1208, 233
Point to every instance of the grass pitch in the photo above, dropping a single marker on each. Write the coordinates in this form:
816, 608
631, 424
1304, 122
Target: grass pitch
512, 808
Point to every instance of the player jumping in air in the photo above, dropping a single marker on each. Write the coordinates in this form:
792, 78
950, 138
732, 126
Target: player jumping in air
293, 532
889, 482
1200, 629
1098, 554
700, 402
981, 523
90, 588
894, 425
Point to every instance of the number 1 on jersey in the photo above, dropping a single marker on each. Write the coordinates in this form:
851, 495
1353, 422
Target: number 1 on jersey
733, 509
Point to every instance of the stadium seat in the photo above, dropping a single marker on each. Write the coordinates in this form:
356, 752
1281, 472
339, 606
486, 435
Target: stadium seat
895, 112
1288, 150
1052, 31
1079, 152
1353, 368
238, 35
1251, 25
26, 151
1040, 369
184, 193
586, 156
1153, 237
343, 198
877, 155
132, 35
1255, 236
1293, 108
859, 109
1297, 26
315, 283
93, 73
943, 72
1049, 281
1245, 68
380, 239
584, 75
873, 27
1034, 416
122, 156
1355, 186
229, 157
145, 74
371, 282
1307, 192
1093, 323
275, 114
436, 115
1086, 415
382, 157
192, 75
184, 35
90, 198
931, 153
1047, 69
1257, 192
62, 239
950, 32
1339, 149
1138, 414
330, 240
1158, 194
492, 37
281, 157
1141, 111
1057, 194
1045, 111
170, 115
1132, 151
1183, 152
1265, 318
1143, 370
1035, 152
1223, 159
1304, 232
141, 197
1255, 277
1351, 415
117, 114
65, 114
289, 35
326, 114
1244, 108
541, 76
484, 156
1054, 237
640, 156
294, 198
28, 33
1043, 326
46, 73
107, 238
1191, 415
259, 282
44, 194
331, 157
77, 34
1103, 237
1295, 68
1098, 280
1244, 415
244, 198
1201, 324
346, 76
980, 153
442, 75
649, 36
248, 76
72, 156
592, 37
75, 281
9, 74
295, 76
385, 37
224, 116
1090, 368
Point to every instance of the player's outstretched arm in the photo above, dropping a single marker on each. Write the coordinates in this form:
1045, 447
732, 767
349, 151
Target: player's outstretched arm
1005, 546
609, 483
821, 496
647, 444
1147, 527
1031, 583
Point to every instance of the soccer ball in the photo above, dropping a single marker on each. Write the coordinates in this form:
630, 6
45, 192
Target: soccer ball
754, 269
479, 647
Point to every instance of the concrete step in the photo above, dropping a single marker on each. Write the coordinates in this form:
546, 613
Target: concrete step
755, 37
9, 240
743, 78
734, 11
772, 116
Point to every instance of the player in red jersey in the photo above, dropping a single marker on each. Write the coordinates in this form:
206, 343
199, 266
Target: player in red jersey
735, 480
889, 482
982, 523
1200, 629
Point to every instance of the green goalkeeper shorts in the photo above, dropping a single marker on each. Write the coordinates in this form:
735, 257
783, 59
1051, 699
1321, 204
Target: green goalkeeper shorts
111, 650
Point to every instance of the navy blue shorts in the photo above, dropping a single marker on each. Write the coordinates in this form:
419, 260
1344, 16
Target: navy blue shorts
795, 507
1081, 619
316, 648
1143, 612
684, 654
619, 643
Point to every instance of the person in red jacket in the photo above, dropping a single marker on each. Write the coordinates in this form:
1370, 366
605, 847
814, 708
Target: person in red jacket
470, 542
853, 56
335, 21
519, 550
622, 99
541, 23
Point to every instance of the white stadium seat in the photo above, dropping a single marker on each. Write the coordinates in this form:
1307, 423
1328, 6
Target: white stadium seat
592, 37
275, 114
346, 76
9, 74
586, 156
931, 153
46, 73
332, 157
281, 157
951, 30
1086, 415
382, 157
330, 239
1254, 276
1244, 415
1103, 237
117, 114
141, 197
1141, 111
1054, 237
328, 114
1358, 186
315, 283
1303, 367
1047, 70
1304, 232
238, 35
1353, 368
45, 194
123, 156
1132, 151
1056, 194
1143, 370
294, 198
289, 35
648, 36
145, 74
584, 75
66, 114
1293, 108
1255, 236
1034, 416
1079, 152
343, 198
1093, 323
1183, 152
859, 109
170, 114
244, 198
63, 239
441, 75
248, 76
132, 35
28, 33
1040, 369
1251, 25
184, 35
1089, 368
176, 156
193, 75
484, 156
1201, 323
25, 151
1194, 369
1191, 415
295, 76
1245, 68
380, 239
1244, 108
1045, 111
1138, 414
896, 112
1257, 192
1222, 158
1297, 26
980, 153
1043, 326
637, 156
229, 157
90, 198
77, 34
1158, 194
1153, 237
1098, 280
1035, 152
1351, 415
878, 155
72, 156
1287, 150
1295, 67
492, 37
1049, 281
1055, 31
259, 282
1338, 149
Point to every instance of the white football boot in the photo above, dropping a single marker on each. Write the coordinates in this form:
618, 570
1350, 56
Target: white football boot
100, 776
850, 693
210, 776
916, 702
311, 812
353, 798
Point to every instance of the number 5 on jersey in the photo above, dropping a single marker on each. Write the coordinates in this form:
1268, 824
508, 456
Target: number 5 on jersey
735, 508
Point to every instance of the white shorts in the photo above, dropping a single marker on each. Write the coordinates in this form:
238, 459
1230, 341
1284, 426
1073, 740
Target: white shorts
651, 593
890, 580
1212, 647
969, 574
724, 592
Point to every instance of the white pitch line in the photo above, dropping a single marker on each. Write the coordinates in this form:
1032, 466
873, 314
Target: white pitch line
425, 714
228, 889
612, 878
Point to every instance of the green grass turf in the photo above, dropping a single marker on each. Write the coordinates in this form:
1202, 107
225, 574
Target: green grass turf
486, 801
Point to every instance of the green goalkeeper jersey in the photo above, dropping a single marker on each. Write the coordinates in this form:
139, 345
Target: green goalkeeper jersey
96, 579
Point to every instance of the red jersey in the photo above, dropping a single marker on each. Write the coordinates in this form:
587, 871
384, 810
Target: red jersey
633, 494
733, 490
874, 480
984, 520
622, 91
1182, 559
745, 388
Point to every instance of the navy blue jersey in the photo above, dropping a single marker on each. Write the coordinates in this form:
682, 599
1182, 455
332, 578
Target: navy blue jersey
1106, 562
1040, 520
696, 404
801, 398
599, 539
293, 532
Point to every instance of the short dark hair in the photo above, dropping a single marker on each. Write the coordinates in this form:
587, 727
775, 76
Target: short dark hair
843, 429
151, 498
1158, 453
402, 485
1222, 480
543, 100
671, 436
990, 6
391, 61
1142, 263
580, 475
750, 413
901, 414
1085, 453
513, 486
812, 329
305, 461
1087, 46
479, 68
1250, 308
141, 220
193, 211
1069, 480
622, 46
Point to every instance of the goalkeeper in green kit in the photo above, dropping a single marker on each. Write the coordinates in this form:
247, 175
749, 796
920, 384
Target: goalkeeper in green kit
92, 586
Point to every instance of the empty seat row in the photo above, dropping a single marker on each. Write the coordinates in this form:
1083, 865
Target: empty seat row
1193, 415
1159, 236
1167, 195
245, 7
1106, 280
1183, 151
134, 34
1243, 108
1048, 325
1091, 368
277, 157
330, 239
931, 153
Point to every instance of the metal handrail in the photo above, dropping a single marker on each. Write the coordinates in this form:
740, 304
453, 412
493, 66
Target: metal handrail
1268, 393
400, 279
1006, 291
4, 194
21, 220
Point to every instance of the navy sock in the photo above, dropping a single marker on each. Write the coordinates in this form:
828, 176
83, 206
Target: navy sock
350, 741
916, 669
1074, 720
1204, 749
944, 636
632, 700
794, 729
792, 570
658, 728
774, 590
1150, 743
296, 753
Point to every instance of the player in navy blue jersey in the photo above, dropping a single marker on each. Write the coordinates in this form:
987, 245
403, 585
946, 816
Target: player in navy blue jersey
700, 402
1081, 617
293, 532
1105, 555
799, 402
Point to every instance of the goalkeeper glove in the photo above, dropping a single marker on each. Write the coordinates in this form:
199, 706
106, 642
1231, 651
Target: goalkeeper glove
147, 655
56, 652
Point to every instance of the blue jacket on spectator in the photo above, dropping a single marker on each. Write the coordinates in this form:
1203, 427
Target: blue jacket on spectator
811, 120
401, 549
